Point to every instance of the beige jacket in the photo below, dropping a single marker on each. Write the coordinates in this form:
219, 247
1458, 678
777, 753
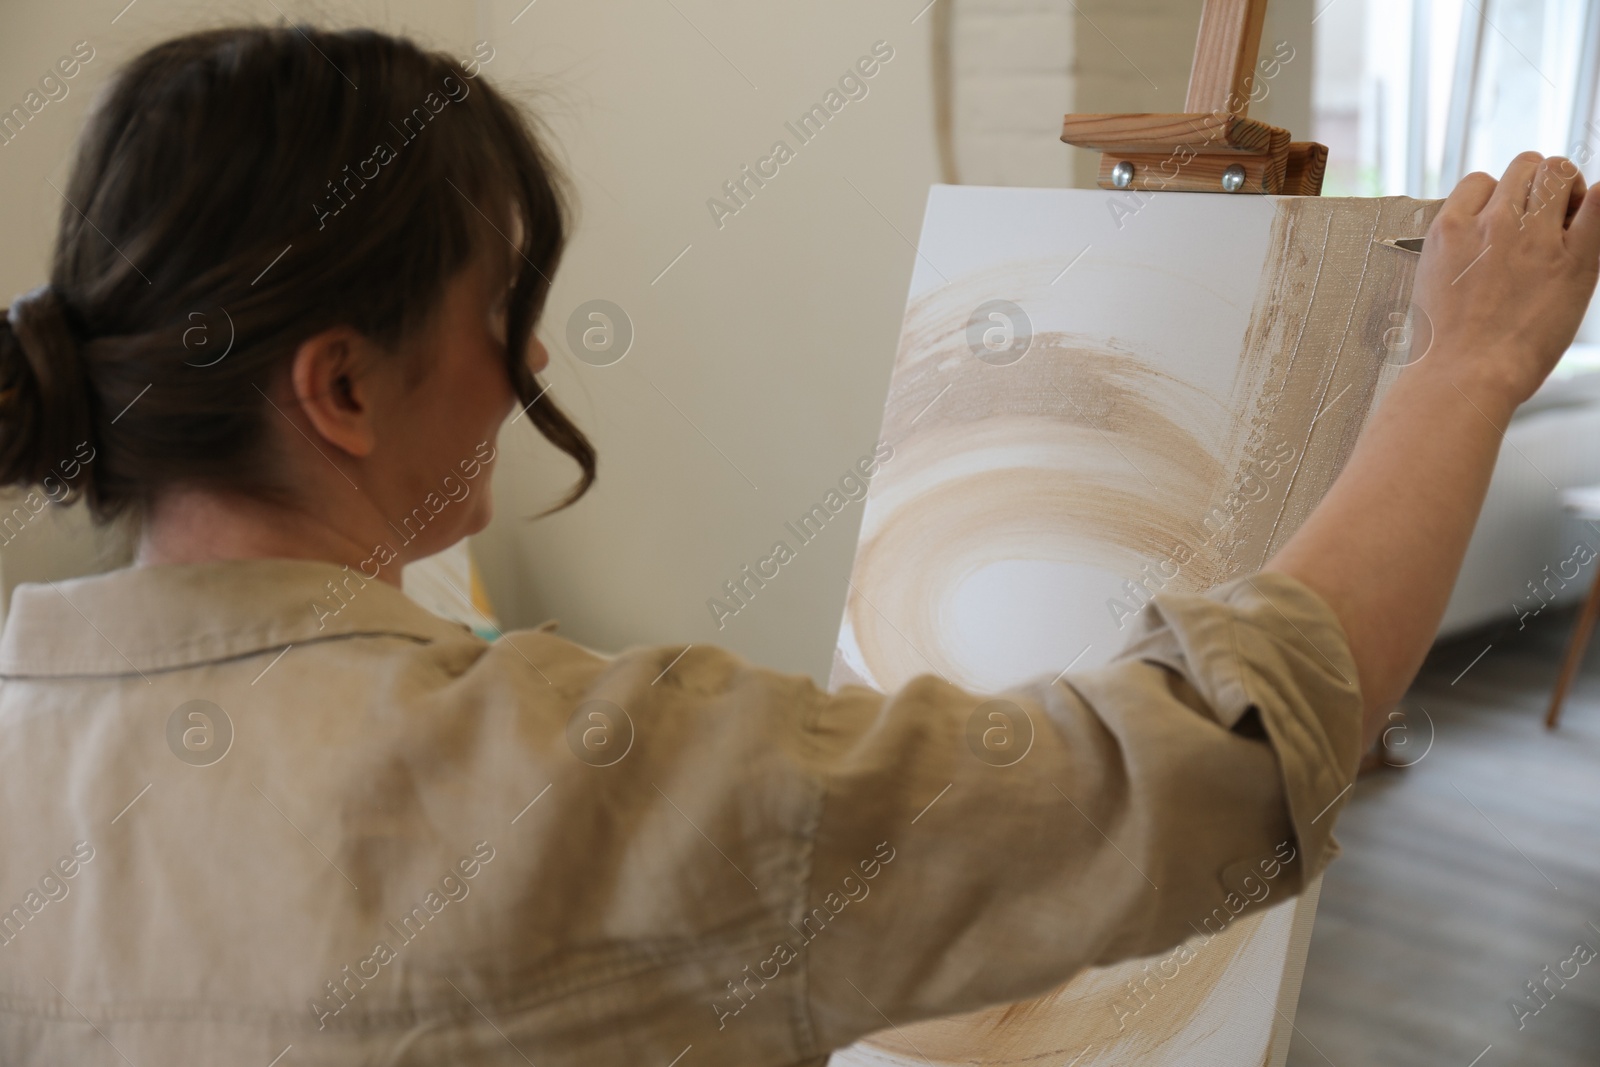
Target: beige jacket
240, 826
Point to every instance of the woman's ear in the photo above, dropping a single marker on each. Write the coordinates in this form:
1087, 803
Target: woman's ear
337, 397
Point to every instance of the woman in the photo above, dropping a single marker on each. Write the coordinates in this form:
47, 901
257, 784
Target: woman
259, 804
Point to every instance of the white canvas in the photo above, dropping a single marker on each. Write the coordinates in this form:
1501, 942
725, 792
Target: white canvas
1178, 342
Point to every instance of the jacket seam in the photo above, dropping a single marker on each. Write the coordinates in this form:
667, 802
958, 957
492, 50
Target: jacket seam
229, 658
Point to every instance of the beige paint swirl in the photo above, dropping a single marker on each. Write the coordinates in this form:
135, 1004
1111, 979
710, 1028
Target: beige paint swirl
1079, 1022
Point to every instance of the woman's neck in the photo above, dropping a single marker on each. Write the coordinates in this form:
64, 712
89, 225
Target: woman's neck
197, 526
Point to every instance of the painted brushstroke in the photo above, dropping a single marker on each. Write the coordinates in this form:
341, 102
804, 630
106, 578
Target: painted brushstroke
1085, 454
1079, 1024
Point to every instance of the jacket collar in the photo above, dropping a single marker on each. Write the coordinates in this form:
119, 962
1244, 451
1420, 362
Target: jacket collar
173, 615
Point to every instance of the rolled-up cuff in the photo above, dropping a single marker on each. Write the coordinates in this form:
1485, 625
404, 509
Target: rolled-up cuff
1267, 641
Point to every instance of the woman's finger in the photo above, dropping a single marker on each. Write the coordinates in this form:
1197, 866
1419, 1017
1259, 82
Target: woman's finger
1512, 193
1580, 189
1470, 195
1583, 235
1548, 203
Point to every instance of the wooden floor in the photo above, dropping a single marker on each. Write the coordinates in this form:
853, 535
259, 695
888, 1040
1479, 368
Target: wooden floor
1464, 874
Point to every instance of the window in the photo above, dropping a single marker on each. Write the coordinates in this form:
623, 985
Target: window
1409, 95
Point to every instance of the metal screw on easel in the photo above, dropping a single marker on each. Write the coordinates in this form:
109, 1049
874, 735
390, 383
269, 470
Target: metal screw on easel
1233, 179
1122, 174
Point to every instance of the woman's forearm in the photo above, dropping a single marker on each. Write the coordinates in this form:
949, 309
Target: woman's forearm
1384, 546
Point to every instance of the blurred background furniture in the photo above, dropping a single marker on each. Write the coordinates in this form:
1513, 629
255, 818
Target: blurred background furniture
1515, 567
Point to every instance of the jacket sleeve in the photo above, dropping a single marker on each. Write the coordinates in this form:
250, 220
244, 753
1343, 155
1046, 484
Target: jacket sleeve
976, 850
775, 870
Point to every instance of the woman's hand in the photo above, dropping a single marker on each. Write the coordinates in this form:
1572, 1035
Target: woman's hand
1504, 281
1507, 271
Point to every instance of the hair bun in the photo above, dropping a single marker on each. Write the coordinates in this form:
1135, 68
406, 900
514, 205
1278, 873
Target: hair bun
44, 397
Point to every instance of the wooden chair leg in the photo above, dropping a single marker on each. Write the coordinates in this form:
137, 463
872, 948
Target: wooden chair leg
1576, 646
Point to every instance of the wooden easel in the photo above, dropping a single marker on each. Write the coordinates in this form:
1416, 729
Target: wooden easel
1214, 146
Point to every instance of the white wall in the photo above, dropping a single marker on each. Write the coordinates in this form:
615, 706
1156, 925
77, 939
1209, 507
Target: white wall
762, 357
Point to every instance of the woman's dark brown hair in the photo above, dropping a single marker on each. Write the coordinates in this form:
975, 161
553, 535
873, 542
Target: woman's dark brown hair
238, 190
